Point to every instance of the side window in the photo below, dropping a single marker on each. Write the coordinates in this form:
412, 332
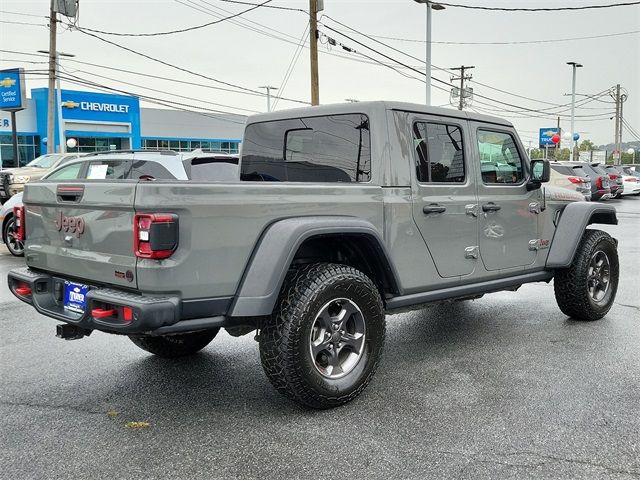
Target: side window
334, 148
439, 153
68, 159
108, 170
70, 172
141, 168
500, 161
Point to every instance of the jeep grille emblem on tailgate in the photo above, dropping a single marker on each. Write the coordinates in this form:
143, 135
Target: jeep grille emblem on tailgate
69, 224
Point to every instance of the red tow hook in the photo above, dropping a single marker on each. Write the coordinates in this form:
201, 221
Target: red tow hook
23, 291
103, 313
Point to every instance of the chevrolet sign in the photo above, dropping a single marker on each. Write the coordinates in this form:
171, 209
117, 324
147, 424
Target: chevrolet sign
97, 106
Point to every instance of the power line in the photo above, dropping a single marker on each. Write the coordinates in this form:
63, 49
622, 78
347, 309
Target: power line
149, 75
23, 14
293, 62
539, 9
278, 7
182, 69
181, 30
519, 42
23, 23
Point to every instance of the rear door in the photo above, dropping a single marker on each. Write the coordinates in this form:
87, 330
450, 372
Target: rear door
445, 194
82, 229
508, 212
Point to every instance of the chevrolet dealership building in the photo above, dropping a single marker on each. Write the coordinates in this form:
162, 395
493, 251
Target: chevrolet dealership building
99, 121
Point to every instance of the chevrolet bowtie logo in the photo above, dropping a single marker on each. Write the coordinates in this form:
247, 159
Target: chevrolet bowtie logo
70, 104
7, 82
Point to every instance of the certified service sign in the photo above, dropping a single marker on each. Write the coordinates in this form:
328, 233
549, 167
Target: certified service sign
12, 91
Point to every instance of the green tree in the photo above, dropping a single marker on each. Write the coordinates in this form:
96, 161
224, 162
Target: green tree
587, 146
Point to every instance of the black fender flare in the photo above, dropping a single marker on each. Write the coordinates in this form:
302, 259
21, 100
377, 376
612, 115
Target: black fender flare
264, 275
571, 226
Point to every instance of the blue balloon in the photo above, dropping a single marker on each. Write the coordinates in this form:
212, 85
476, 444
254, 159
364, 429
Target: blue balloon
576, 137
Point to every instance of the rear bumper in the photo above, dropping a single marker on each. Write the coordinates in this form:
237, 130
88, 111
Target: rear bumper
151, 314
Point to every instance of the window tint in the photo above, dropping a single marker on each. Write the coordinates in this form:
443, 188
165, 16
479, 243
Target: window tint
500, 161
142, 168
108, 169
318, 149
439, 152
69, 172
579, 172
211, 169
599, 170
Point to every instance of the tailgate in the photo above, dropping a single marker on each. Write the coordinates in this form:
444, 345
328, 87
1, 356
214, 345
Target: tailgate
82, 230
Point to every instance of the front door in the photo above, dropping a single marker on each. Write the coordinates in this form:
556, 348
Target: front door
508, 212
443, 189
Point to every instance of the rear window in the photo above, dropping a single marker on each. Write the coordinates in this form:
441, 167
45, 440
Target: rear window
212, 169
334, 148
563, 170
579, 171
600, 170
149, 170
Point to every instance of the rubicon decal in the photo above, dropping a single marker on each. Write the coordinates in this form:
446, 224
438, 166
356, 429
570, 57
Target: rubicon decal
69, 224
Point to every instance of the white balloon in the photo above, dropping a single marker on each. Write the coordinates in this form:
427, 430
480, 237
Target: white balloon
72, 142
631, 151
567, 135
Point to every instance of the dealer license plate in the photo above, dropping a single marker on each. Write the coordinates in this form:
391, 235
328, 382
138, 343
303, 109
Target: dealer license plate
75, 296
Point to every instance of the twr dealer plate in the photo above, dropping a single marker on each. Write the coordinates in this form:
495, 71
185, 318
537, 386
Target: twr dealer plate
75, 297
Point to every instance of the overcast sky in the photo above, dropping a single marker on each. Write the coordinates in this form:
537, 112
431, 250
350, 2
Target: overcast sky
240, 55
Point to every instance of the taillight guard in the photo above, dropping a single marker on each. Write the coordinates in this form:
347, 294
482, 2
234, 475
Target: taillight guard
155, 235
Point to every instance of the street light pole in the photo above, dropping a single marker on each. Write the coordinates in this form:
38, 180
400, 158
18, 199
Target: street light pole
268, 88
435, 6
574, 66
61, 139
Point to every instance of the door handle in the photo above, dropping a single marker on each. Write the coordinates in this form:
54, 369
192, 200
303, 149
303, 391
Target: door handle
490, 207
433, 208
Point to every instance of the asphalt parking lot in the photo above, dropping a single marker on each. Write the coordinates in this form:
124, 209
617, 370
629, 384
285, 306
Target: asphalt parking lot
501, 387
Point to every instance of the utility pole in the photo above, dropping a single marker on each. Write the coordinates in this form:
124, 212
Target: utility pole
313, 41
616, 141
51, 141
622, 97
574, 67
462, 79
268, 88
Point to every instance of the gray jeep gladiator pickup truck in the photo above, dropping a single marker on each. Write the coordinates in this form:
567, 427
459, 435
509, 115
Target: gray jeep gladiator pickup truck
340, 215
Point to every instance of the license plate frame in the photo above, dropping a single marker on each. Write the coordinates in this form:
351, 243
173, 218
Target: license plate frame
75, 297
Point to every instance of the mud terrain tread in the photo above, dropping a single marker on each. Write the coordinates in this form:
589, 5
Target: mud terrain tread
570, 284
280, 333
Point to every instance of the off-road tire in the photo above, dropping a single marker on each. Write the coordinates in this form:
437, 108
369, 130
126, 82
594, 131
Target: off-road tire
285, 335
174, 346
571, 284
9, 229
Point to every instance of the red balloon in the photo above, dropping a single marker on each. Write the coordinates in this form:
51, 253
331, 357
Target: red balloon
555, 139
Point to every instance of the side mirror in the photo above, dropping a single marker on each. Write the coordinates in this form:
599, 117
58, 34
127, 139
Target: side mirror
540, 173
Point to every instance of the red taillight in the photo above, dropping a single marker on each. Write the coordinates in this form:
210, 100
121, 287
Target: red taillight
577, 180
127, 314
18, 213
155, 235
599, 183
613, 176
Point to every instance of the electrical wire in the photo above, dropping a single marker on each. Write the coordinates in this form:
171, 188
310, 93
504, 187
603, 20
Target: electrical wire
519, 42
23, 14
142, 74
181, 30
292, 63
182, 69
23, 23
278, 7
538, 9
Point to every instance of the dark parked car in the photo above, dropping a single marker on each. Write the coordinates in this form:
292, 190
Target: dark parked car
600, 181
616, 179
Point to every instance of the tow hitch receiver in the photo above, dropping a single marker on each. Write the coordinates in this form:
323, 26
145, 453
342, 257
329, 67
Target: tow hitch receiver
71, 332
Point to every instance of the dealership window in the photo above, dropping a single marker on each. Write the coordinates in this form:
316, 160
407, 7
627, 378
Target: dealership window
28, 149
333, 148
189, 145
98, 144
